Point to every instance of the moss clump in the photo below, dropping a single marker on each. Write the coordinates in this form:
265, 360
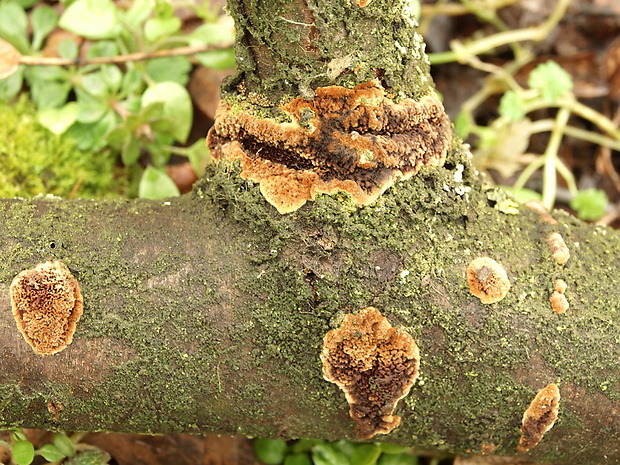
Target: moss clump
35, 161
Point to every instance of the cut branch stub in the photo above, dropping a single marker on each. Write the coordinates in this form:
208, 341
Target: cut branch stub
539, 417
353, 140
374, 364
47, 304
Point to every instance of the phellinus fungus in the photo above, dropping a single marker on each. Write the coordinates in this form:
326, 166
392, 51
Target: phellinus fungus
374, 364
354, 140
487, 280
47, 304
539, 417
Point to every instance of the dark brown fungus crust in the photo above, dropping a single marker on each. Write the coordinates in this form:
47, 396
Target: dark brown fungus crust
374, 364
353, 140
539, 417
487, 280
47, 304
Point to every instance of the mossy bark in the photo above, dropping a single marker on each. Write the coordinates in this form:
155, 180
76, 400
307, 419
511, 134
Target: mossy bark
207, 313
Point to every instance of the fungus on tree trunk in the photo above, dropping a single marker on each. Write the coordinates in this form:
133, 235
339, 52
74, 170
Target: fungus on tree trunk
487, 280
539, 417
47, 304
374, 364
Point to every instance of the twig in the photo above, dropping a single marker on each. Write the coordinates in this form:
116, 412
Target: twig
140, 56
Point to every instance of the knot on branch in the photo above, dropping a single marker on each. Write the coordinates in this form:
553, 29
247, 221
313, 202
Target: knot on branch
354, 140
375, 365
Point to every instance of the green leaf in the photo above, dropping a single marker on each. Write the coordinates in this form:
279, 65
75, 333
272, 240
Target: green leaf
217, 59
270, 451
511, 106
551, 80
90, 457
366, 454
305, 445
51, 453
92, 136
130, 151
177, 106
199, 156
297, 459
90, 109
158, 28
58, 120
522, 195
10, 86
175, 69
211, 34
389, 448
590, 204
462, 125
14, 26
397, 459
132, 82
64, 444
138, 13
23, 452
94, 84
43, 20
155, 184
93, 19
104, 48
68, 49
325, 454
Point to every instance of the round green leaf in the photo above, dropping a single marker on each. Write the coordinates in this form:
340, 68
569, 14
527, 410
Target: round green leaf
177, 106
58, 120
325, 454
155, 184
297, 459
590, 204
217, 59
366, 454
270, 451
212, 33
14, 26
158, 28
43, 20
51, 453
93, 19
23, 452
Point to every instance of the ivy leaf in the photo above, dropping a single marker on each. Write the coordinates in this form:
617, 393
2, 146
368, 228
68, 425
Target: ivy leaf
511, 106
155, 184
23, 452
551, 80
93, 19
590, 204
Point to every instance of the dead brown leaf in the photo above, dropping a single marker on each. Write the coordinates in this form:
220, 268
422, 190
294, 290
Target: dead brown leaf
9, 59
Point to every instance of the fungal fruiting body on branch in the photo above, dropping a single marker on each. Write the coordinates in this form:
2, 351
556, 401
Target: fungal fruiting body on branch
559, 304
539, 417
353, 140
374, 364
487, 280
559, 250
47, 304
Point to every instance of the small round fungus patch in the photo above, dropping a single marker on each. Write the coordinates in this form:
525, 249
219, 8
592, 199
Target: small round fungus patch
559, 304
47, 304
487, 280
558, 248
539, 417
375, 365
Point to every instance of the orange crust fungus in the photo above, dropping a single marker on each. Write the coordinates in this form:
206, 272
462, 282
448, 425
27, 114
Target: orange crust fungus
559, 304
539, 207
375, 365
47, 304
362, 3
487, 280
354, 140
539, 417
559, 250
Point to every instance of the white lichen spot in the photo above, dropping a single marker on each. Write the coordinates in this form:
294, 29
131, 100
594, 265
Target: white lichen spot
400, 48
404, 274
458, 174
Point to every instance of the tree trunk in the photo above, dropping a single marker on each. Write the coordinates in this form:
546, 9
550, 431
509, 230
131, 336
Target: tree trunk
207, 313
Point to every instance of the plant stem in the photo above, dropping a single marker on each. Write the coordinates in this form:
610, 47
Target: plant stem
550, 157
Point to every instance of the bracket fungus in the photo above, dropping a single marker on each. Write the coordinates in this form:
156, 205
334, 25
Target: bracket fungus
559, 304
47, 304
375, 365
487, 280
559, 250
354, 140
539, 417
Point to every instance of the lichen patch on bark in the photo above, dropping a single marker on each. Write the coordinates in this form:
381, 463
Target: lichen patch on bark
354, 140
47, 304
539, 417
375, 365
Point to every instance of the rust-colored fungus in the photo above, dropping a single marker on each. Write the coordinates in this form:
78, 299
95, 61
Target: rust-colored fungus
363, 3
374, 364
353, 140
559, 304
487, 280
558, 247
539, 207
539, 417
47, 304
